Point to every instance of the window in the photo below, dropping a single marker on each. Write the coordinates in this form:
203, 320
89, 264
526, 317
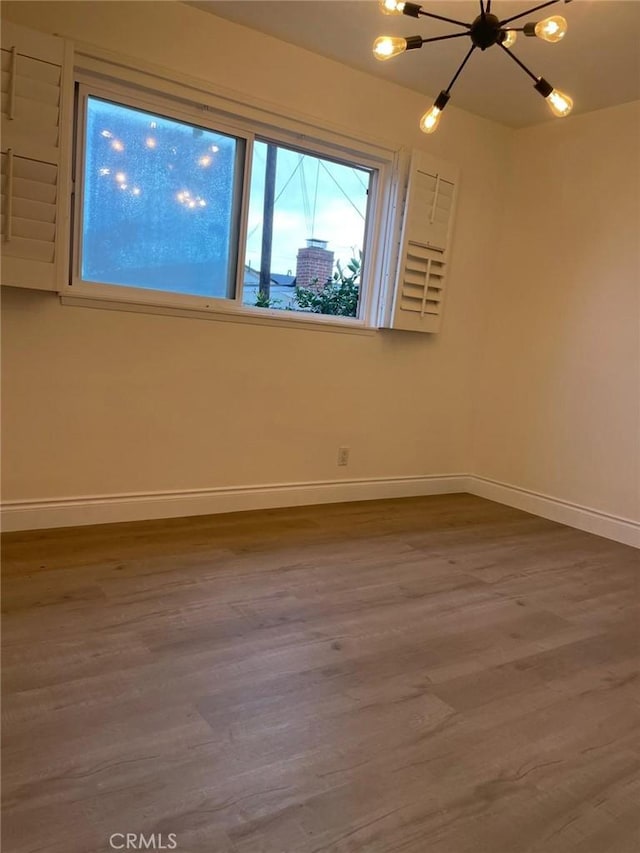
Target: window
306, 232
176, 207
160, 202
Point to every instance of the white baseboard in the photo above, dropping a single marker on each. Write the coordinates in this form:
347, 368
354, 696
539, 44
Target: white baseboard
105, 509
619, 529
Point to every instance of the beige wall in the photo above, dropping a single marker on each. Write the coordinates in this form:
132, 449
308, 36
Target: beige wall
557, 408
533, 380
102, 402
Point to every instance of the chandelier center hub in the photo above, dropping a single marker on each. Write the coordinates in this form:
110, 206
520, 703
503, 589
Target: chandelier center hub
485, 31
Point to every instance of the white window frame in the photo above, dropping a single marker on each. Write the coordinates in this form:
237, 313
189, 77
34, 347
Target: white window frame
380, 217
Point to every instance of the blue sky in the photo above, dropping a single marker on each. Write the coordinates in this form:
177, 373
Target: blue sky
315, 198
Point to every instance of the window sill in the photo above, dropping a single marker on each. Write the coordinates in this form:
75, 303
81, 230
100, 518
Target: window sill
256, 317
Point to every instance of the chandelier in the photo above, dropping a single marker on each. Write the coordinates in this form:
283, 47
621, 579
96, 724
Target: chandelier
485, 31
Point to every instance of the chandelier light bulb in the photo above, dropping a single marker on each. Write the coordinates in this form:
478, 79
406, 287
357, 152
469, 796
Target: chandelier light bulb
398, 7
430, 120
551, 29
559, 103
386, 47
391, 7
510, 38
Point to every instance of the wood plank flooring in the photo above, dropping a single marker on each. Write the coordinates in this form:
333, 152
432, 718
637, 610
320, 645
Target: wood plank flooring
431, 675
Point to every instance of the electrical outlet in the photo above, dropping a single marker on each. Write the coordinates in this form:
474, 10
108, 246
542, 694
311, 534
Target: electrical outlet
343, 456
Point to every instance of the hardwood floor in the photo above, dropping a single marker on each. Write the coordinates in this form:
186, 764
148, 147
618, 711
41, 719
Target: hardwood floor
431, 675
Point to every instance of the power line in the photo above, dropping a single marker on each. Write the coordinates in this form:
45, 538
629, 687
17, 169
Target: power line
289, 179
361, 215
315, 200
305, 199
287, 182
356, 172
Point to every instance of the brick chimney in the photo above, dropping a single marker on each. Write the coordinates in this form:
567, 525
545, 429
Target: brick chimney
314, 262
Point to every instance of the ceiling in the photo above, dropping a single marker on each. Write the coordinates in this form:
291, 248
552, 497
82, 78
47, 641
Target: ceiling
597, 63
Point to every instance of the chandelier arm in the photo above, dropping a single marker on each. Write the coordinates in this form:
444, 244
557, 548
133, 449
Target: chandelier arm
528, 12
521, 64
448, 20
458, 72
442, 38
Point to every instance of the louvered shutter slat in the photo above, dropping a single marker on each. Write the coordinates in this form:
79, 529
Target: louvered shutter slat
33, 170
35, 130
28, 107
38, 69
21, 247
33, 229
26, 209
32, 191
412, 291
32, 87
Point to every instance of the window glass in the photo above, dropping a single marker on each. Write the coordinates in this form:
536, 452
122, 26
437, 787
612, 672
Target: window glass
306, 232
160, 202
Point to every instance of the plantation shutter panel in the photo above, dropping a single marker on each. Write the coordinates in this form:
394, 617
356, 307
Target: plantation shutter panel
418, 297
37, 94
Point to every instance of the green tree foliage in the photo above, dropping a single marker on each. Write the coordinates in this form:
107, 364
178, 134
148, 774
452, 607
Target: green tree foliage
338, 296
264, 301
